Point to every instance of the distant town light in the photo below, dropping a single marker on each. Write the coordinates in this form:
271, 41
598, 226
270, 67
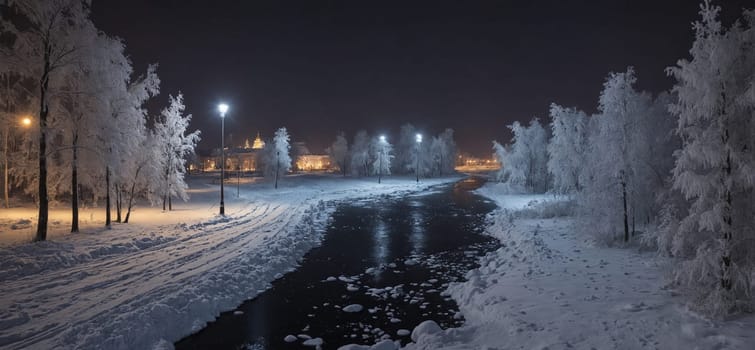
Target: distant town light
223, 109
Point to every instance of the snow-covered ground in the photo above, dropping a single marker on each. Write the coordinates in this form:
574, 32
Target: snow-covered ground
549, 287
148, 283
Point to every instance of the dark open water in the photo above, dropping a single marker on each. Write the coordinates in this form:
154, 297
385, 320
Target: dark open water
392, 256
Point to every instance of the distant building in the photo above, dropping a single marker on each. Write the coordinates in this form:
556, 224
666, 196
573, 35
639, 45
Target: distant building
313, 162
258, 143
247, 158
244, 158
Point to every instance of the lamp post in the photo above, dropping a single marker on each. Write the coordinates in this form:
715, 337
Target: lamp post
419, 142
223, 109
382, 151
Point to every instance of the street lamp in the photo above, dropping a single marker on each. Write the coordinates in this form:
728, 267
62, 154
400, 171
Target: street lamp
382, 150
419, 142
26, 121
223, 109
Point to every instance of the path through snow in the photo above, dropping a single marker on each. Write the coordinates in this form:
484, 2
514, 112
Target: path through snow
141, 286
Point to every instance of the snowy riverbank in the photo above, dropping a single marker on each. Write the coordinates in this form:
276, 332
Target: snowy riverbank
549, 287
153, 281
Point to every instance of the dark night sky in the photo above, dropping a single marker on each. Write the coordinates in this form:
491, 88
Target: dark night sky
319, 67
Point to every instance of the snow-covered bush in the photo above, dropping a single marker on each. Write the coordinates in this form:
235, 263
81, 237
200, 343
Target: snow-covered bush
524, 162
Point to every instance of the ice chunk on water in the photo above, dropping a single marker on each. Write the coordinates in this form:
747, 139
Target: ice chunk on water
353, 308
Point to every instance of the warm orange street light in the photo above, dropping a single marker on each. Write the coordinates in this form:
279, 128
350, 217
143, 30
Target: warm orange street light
26, 121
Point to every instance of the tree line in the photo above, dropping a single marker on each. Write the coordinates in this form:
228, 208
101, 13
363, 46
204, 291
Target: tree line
675, 170
90, 135
376, 155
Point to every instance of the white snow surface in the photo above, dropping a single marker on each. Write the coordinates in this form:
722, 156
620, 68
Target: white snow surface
151, 282
551, 288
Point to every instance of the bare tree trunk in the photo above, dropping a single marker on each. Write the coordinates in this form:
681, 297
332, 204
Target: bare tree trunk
6, 186
118, 202
728, 234
41, 234
165, 194
626, 222
277, 167
108, 223
75, 186
131, 194
634, 207
170, 199
130, 202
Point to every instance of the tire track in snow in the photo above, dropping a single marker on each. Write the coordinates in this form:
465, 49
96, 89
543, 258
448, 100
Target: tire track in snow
154, 262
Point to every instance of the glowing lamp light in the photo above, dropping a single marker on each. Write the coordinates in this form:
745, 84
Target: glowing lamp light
26, 121
419, 138
382, 138
223, 109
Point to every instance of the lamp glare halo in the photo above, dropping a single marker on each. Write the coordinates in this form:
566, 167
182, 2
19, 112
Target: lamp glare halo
223, 108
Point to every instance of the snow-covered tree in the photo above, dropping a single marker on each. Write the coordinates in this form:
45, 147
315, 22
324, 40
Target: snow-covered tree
143, 170
46, 42
339, 153
277, 157
381, 154
715, 168
360, 154
132, 167
15, 101
405, 150
501, 154
607, 171
627, 158
443, 152
651, 150
86, 135
524, 165
420, 156
566, 148
173, 145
